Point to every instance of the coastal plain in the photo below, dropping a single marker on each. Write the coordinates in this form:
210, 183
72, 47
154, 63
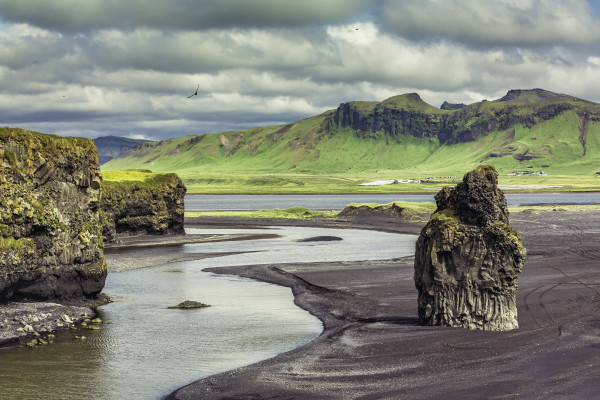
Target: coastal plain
373, 348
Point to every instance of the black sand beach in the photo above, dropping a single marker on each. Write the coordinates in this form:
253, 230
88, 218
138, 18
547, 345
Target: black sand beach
372, 347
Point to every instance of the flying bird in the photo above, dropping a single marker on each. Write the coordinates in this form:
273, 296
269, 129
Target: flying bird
195, 94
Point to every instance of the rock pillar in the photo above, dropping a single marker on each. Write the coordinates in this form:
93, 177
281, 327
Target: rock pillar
468, 258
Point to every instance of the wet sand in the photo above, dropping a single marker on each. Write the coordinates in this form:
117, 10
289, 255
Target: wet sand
373, 348
149, 251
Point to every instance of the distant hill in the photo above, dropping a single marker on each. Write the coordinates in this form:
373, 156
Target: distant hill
524, 130
111, 146
452, 106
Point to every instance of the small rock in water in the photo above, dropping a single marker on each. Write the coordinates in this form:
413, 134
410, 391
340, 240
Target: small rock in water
320, 239
188, 304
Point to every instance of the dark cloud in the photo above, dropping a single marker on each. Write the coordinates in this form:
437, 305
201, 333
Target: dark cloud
127, 67
72, 15
524, 23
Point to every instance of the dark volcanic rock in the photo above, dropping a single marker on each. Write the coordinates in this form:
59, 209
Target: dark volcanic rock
189, 304
153, 207
50, 236
468, 258
408, 115
320, 239
388, 210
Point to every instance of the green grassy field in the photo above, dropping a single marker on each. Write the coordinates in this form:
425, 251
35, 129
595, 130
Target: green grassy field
253, 183
140, 177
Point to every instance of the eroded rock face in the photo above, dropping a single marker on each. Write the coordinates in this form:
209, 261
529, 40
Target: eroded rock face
468, 258
50, 237
131, 208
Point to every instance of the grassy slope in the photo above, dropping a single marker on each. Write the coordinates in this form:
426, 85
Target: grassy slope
301, 157
138, 177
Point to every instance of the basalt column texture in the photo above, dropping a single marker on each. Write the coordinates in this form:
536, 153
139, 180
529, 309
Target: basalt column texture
50, 237
154, 206
468, 258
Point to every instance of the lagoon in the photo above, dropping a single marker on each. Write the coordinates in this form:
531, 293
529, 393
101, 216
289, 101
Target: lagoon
196, 202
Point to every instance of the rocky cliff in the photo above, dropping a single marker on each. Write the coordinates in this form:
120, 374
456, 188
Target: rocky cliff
50, 240
140, 202
409, 115
468, 258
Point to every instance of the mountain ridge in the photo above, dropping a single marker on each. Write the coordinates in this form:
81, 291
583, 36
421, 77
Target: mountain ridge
532, 128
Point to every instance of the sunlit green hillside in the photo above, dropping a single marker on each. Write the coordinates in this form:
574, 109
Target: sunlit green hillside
401, 137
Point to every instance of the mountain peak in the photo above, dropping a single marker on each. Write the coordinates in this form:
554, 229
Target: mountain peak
452, 106
531, 94
407, 101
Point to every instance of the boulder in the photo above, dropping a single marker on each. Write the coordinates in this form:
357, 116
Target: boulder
468, 258
189, 304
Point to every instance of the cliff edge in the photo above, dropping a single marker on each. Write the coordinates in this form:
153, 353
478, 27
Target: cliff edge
50, 237
139, 202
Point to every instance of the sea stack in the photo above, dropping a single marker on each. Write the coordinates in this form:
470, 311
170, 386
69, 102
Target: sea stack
468, 258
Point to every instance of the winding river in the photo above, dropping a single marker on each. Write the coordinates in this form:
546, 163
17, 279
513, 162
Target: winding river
144, 350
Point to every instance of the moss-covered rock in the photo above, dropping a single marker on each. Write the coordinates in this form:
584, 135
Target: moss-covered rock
140, 202
189, 305
468, 258
50, 238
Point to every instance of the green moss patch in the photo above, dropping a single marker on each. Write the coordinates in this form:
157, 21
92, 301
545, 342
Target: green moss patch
18, 245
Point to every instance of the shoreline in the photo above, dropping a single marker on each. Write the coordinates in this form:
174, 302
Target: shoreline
372, 346
425, 192
21, 322
24, 321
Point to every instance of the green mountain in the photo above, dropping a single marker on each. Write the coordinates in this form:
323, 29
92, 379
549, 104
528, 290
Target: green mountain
526, 130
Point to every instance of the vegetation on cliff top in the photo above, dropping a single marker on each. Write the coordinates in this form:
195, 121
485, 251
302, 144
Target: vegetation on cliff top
141, 202
141, 178
52, 143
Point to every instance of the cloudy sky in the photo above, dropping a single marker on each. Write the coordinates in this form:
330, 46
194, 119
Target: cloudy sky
112, 67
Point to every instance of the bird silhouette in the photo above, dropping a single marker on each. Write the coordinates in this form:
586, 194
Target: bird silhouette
195, 94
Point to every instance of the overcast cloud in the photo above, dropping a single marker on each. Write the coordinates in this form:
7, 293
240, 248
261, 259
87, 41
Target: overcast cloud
112, 67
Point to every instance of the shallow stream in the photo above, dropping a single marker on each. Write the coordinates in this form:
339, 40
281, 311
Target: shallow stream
145, 350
